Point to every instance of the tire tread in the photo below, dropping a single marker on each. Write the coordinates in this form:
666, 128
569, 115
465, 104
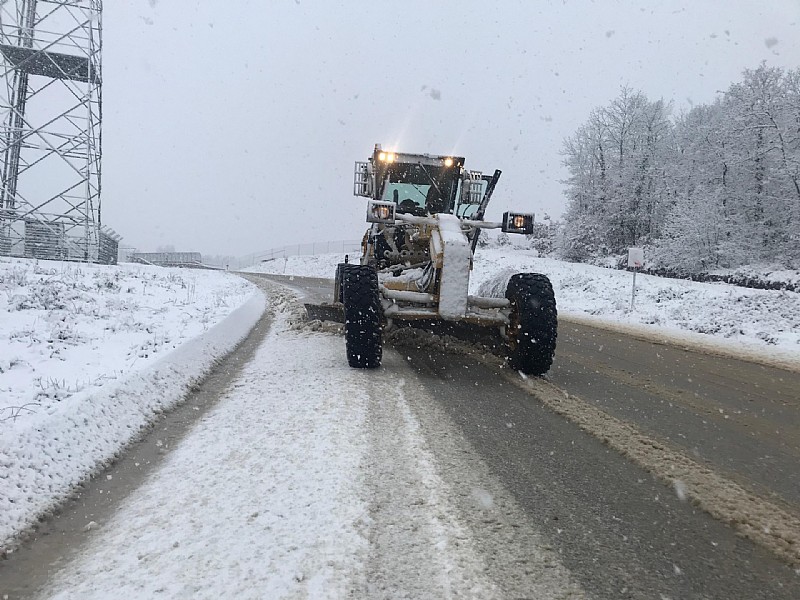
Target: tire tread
532, 296
363, 315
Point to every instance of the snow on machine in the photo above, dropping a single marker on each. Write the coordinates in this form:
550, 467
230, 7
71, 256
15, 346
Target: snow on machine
426, 213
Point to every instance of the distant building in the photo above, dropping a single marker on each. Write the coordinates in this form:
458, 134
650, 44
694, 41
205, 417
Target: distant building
169, 259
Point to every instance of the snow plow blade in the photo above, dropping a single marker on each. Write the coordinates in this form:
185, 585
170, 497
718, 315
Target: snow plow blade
325, 312
471, 333
467, 332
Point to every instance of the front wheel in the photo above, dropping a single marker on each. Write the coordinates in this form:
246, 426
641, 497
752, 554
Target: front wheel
362, 316
533, 323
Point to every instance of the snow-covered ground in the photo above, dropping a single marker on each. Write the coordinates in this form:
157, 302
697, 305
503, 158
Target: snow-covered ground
89, 354
715, 315
300, 492
273, 473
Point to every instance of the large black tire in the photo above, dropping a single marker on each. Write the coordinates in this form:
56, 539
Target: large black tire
533, 326
362, 316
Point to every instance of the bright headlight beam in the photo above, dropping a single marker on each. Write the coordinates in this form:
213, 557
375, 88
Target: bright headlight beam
448, 162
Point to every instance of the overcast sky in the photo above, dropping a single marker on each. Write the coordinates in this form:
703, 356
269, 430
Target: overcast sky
232, 127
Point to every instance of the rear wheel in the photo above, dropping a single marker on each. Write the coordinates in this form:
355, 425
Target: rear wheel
533, 323
362, 316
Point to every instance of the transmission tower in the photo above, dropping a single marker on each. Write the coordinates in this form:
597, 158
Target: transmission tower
50, 142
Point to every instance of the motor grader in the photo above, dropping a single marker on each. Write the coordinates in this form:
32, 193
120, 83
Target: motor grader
426, 213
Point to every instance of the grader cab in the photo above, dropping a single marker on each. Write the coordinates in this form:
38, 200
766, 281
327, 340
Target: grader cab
426, 213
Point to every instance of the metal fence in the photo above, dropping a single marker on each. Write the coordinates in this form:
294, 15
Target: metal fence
166, 258
340, 246
55, 239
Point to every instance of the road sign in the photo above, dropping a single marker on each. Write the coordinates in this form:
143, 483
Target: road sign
636, 257
635, 260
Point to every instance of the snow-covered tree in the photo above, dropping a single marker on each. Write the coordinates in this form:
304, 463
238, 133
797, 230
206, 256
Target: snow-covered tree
544, 236
616, 188
717, 186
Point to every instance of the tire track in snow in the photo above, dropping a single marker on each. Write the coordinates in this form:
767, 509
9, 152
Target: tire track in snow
758, 519
762, 521
417, 549
441, 526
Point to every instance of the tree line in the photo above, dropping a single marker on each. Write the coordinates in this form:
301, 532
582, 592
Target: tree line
717, 186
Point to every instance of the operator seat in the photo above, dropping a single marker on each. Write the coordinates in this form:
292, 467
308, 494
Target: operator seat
434, 203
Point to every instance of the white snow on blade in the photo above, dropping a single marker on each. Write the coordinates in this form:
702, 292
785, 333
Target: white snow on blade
753, 322
89, 355
307, 480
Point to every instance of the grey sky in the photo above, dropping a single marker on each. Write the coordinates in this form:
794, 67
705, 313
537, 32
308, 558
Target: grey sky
232, 127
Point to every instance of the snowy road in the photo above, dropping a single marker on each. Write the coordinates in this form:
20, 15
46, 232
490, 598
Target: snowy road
306, 479
436, 476
724, 431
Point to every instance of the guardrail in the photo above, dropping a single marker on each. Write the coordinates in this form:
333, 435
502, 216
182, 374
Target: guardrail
342, 246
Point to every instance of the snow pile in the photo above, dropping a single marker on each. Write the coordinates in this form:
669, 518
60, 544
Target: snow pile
88, 355
766, 322
757, 319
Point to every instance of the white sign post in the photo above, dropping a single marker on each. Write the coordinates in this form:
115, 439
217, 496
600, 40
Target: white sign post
635, 260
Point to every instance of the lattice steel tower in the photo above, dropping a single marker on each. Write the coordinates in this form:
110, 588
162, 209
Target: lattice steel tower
51, 107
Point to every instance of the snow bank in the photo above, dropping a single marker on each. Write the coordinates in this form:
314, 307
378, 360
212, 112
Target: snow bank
90, 355
753, 323
272, 480
746, 321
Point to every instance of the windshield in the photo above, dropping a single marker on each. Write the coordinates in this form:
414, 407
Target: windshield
419, 190
409, 197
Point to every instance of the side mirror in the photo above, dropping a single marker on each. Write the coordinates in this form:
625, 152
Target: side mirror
362, 182
472, 187
380, 212
517, 223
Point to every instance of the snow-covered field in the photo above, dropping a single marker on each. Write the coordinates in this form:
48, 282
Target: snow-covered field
89, 354
715, 315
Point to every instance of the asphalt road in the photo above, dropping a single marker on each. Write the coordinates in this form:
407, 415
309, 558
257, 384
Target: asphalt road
619, 529
739, 417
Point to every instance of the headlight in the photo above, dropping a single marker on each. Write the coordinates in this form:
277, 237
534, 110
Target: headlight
518, 223
448, 162
387, 156
380, 212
